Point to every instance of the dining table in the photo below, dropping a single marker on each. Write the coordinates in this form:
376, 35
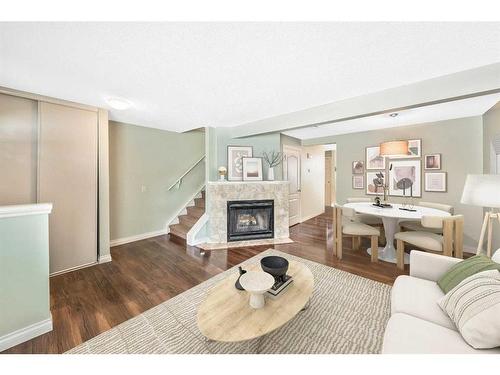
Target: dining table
391, 217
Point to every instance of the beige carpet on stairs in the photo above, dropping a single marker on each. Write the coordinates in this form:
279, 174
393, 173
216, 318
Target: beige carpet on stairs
347, 314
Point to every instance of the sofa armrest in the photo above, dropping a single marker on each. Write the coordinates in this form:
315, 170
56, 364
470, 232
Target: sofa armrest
430, 266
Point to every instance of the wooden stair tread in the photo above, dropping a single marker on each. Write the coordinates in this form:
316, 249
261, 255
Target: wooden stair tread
188, 220
195, 211
179, 230
199, 202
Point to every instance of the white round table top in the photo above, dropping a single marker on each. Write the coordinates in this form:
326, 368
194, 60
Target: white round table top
256, 281
395, 212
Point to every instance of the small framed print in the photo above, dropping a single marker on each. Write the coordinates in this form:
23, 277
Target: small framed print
435, 182
358, 181
252, 169
373, 158
234, 162
432, 161
358, 167
414, 149
374, 182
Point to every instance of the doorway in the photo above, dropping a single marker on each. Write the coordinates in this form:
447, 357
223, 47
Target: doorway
291, 172
330, 173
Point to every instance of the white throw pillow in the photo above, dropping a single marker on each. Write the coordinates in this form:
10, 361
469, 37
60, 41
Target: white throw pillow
474, 307
496, 257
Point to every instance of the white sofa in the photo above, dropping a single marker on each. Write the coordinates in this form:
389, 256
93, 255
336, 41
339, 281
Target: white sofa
417, 324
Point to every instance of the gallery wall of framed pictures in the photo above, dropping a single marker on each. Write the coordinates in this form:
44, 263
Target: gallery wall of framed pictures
403, 175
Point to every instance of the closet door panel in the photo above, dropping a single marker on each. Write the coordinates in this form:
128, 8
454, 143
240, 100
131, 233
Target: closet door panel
68, 178
18, 150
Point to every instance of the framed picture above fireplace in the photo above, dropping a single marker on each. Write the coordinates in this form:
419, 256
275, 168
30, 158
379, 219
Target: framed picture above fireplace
252, 169
234, 162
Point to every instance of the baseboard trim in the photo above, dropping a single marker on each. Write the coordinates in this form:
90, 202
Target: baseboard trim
24, 334
143, 236
105, 258
308, 217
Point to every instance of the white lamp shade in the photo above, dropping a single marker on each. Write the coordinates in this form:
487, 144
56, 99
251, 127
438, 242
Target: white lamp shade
482, 190
394, 148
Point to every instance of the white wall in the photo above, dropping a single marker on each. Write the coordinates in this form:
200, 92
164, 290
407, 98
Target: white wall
312, 198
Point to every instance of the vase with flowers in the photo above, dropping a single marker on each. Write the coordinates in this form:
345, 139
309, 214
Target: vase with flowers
272, 159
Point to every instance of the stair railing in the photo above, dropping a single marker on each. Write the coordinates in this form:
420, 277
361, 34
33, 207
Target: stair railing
178, 182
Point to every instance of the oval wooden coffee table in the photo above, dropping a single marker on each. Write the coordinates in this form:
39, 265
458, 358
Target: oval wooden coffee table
226, 315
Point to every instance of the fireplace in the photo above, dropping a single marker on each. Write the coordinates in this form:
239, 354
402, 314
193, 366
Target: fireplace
250, 220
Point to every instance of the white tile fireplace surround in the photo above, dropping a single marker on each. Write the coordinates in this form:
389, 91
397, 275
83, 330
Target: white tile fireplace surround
219, 193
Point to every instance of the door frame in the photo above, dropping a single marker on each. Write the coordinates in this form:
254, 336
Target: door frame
297, 150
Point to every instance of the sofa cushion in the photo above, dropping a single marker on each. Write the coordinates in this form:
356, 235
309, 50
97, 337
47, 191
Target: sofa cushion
460, 271
419, 298
474, 306
406, 334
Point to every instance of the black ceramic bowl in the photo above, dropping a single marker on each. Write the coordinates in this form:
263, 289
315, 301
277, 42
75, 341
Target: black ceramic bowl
276, 266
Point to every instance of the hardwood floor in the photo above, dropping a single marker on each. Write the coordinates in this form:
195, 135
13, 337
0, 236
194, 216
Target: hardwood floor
143, 274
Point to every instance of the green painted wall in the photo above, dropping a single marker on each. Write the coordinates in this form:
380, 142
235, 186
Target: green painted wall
459, 141
24, 272
143, 163
261, 143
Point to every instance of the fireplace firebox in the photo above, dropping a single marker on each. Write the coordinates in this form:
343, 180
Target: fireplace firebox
250, 220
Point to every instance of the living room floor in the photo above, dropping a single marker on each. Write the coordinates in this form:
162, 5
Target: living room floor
87, 302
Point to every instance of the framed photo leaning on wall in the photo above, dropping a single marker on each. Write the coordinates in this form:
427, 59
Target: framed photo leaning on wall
252, 169
435, 182
234, 162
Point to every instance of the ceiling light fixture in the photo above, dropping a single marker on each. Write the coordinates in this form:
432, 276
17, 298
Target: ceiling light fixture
118, 103
394, 114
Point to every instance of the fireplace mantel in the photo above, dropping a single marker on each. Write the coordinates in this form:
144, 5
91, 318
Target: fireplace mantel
218, 193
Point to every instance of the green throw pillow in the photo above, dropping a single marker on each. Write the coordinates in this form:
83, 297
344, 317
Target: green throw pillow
464, 269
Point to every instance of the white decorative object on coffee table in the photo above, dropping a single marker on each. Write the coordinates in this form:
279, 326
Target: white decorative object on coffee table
257, 283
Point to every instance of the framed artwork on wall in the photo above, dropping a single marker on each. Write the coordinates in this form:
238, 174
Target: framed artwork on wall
405, 177
373, 180
414, 149
435, 182
252, 169
234, 162
358, 181
358, 167
373, 158
432, 161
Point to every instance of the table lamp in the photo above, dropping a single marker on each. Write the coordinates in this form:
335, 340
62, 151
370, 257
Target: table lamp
484, 190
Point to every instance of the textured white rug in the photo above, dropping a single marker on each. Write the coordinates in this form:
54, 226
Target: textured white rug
347, 314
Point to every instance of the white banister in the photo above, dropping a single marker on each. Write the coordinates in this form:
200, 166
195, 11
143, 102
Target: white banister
178, 182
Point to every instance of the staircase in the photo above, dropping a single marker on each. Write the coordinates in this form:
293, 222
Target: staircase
178, 232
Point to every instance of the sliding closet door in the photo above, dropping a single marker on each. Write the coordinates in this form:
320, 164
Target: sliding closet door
18, 150
68, 179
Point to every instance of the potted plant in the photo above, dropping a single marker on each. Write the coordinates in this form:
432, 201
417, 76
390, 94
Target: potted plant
272, 159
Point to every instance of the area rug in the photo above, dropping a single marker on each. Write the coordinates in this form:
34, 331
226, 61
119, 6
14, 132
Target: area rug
347, 314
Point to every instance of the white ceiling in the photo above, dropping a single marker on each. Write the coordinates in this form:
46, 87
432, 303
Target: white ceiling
438, 112
186, 75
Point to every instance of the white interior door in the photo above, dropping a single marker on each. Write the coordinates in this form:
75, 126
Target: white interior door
292, 174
